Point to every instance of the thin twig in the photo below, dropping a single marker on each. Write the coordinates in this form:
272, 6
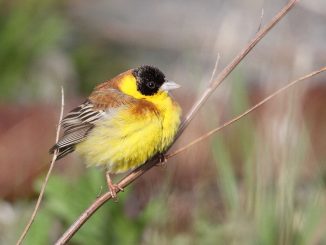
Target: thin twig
217, 61
210, 133
40, 197
212, 86
261, 19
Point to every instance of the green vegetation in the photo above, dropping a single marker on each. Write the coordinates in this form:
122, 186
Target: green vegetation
66, 199
27, 29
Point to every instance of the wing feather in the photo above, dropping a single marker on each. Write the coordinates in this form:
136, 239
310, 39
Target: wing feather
76, 124
81, 120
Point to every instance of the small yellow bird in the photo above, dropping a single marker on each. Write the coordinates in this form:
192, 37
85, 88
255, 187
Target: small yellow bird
123, 123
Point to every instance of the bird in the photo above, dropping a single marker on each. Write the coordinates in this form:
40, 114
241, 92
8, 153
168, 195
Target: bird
123, 123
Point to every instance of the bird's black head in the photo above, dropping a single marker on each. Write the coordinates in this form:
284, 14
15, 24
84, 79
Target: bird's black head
149, 79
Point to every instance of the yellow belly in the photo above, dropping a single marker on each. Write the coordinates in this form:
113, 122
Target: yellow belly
124, 140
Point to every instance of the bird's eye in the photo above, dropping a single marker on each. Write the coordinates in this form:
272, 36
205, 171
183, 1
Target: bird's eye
150, 85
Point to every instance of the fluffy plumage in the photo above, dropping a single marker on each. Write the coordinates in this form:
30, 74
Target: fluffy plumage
123, 123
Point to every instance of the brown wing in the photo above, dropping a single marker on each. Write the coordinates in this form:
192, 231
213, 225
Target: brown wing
81, 120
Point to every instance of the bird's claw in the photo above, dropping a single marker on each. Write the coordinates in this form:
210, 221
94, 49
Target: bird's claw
114, 188
162, 160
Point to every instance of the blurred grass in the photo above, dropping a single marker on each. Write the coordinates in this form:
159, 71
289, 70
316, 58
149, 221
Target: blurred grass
260, 210
85, 56
65, 200
27, 28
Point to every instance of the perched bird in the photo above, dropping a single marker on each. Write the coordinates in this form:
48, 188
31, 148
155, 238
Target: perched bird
123, 123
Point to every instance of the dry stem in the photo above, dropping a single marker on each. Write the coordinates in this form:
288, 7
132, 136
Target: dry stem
271, 96
212, 86
40, 197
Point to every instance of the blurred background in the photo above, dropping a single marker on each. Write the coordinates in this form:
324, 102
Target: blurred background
260, 181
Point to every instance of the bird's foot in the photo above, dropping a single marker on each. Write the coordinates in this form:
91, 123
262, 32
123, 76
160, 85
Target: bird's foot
162, 160
113, 188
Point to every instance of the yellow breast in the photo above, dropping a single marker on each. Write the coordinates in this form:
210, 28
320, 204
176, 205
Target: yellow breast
126, 139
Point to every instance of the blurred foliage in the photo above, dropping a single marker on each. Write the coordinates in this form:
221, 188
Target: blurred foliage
27, 28
96, 61
65, 200
256, 210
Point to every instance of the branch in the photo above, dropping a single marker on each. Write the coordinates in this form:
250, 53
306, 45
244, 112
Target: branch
212, 86
235, 119
40, 197
227, 70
